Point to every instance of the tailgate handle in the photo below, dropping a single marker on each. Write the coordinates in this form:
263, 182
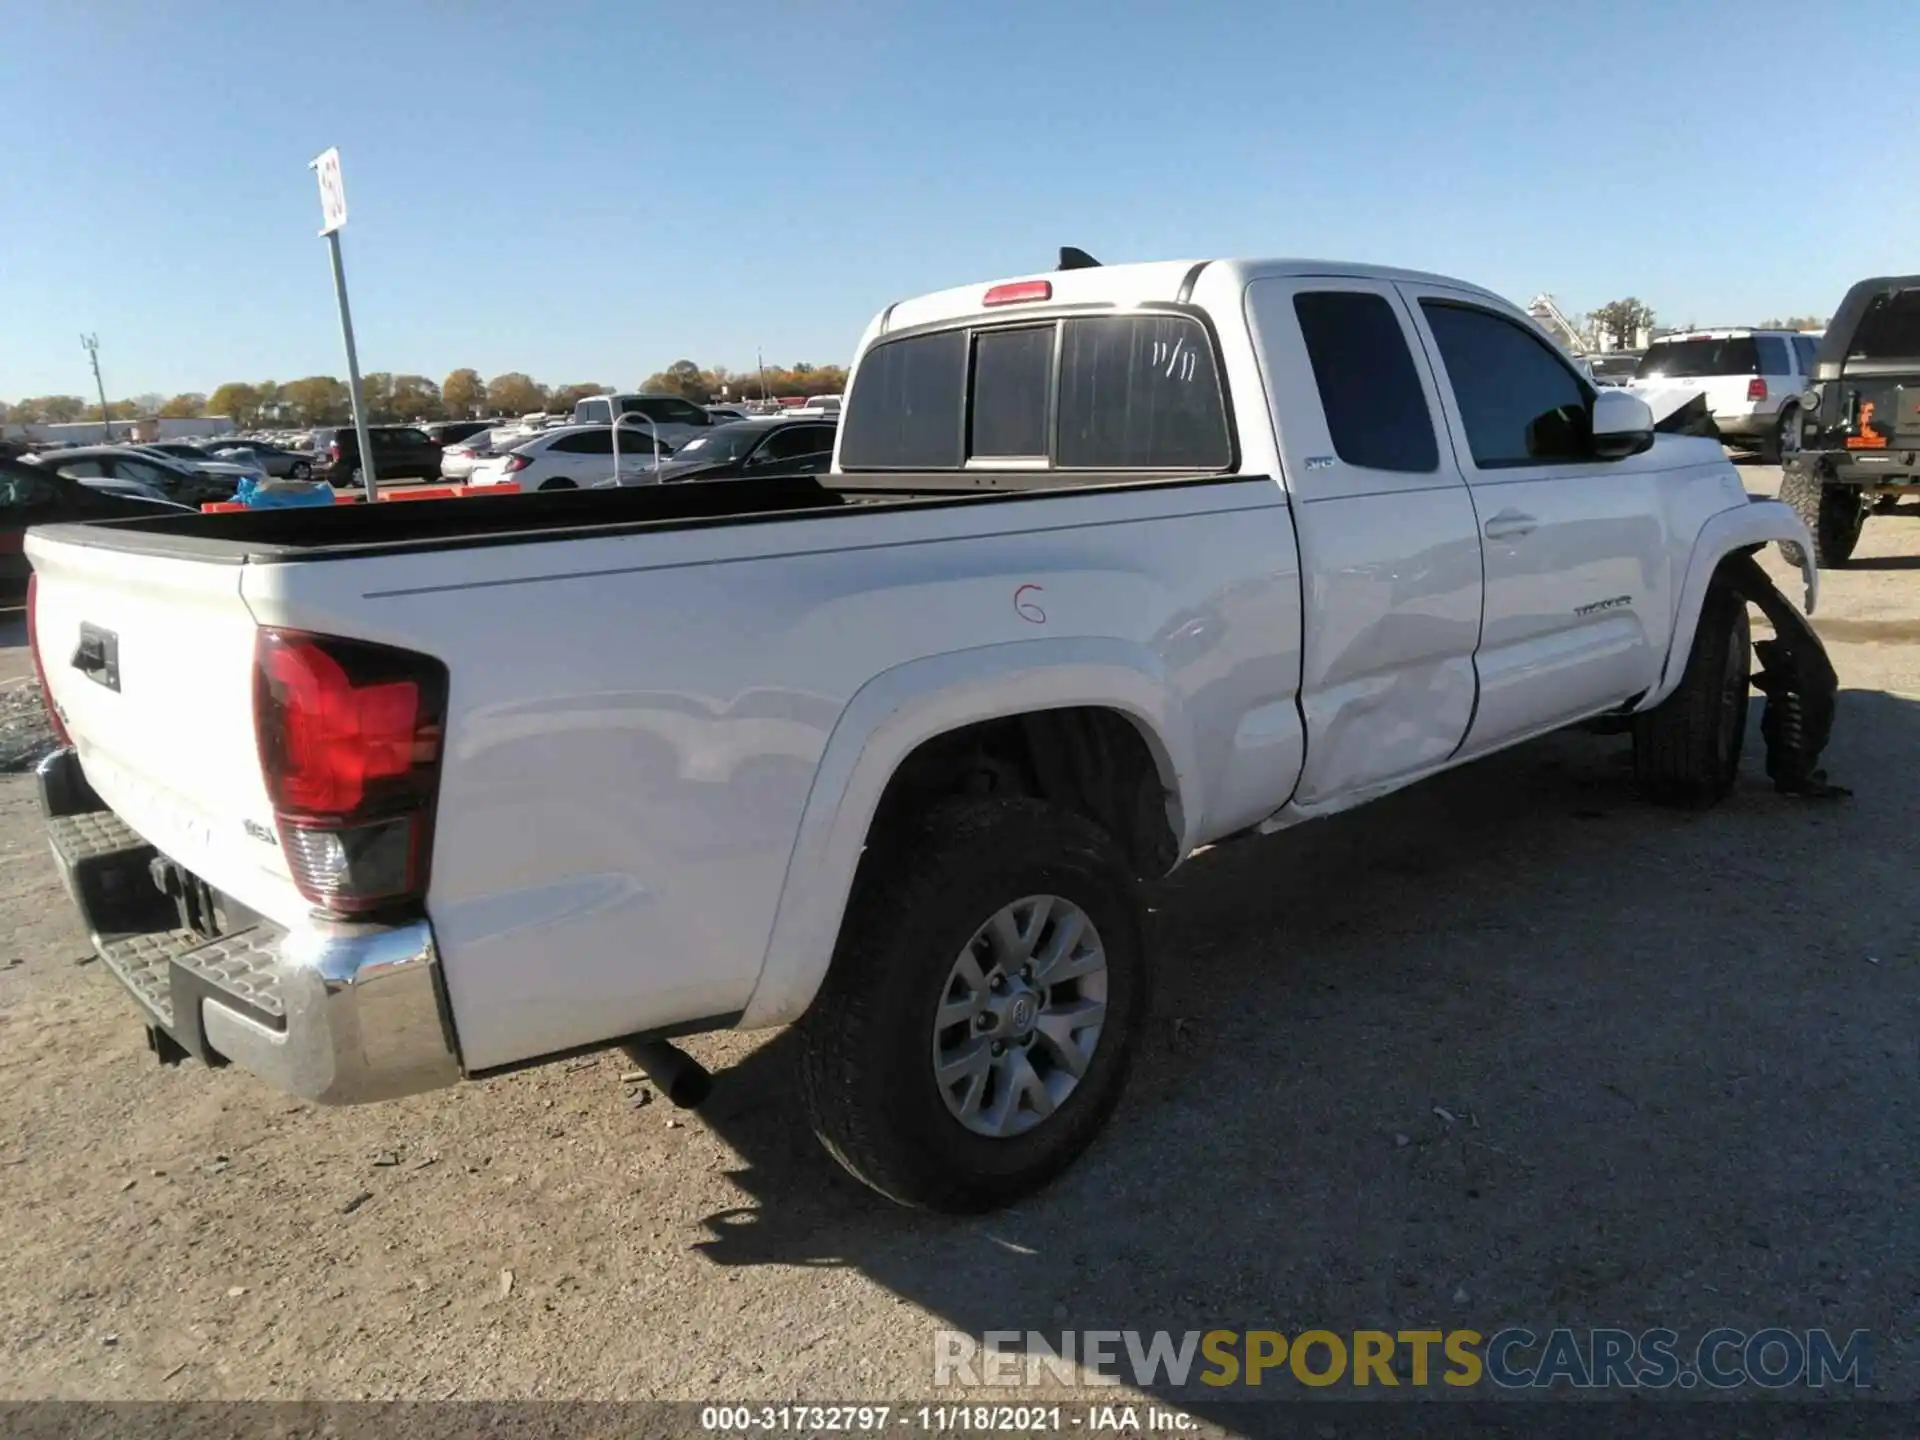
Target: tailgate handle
97, 656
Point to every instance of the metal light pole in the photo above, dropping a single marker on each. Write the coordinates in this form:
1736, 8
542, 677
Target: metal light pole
333, 211
91, 344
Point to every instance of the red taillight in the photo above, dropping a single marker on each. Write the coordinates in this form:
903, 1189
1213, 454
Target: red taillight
333, 452
1019, 292
1756, 389
349, 735
515, 463
39, 669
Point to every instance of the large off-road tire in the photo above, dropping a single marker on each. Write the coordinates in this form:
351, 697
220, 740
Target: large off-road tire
1833, 514
1686, 750
898, 1069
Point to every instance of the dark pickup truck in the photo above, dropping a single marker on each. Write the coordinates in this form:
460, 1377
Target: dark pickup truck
1859, 449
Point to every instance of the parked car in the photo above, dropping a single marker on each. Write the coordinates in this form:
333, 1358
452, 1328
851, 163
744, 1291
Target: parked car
1752, 381
1113, 564
1860, 440
451, 432
34, 495
758, 449
237, 466
1612, 367
678, 419
726, 414
457, 462
183, 483
275, 459
400, 452
572, 457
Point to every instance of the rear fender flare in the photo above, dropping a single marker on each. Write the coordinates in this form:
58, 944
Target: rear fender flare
900, 709
1730, 532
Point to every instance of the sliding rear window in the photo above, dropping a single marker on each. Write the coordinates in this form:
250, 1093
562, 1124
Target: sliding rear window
1121, 392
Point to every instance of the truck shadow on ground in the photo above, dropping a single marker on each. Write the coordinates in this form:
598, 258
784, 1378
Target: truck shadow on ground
1509, 1047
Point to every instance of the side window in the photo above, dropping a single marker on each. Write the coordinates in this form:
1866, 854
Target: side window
908, 414
1773, 355
28, 491
139, 470
798, 440
412, 437
1140, 392
82, 469
589, 412
1012, 371
592, 442
1808, 350
1377, 414
1521, 404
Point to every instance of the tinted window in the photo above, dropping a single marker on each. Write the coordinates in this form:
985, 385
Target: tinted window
587, 442
1011, 373
128, 469
796, 440
1805, 349
669, 412
1693, 359
1772, 351
81, 469
589, 411
1376, 413
1519, 402
906, 415
1890, 330
1141, 392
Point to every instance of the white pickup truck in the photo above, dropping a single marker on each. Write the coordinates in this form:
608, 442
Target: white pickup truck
1113, 563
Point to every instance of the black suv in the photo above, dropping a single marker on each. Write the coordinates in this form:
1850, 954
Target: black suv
400, 452
1860, 432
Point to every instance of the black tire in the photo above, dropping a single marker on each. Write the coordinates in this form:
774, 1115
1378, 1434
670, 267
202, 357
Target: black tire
1834, 514
1784, 438
299, 470
1686, 750
867, 1043
557, 485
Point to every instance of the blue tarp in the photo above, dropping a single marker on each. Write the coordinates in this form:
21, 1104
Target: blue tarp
281, 494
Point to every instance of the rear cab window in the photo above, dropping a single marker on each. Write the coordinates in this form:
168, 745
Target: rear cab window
1140, 391
1696, 358
1890, 330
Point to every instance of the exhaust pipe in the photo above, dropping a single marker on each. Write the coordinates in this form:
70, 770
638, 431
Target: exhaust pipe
674, 1073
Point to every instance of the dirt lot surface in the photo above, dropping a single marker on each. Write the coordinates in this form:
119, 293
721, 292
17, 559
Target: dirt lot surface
1676, 1057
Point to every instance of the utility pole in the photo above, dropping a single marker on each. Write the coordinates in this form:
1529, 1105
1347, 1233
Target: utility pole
91, 344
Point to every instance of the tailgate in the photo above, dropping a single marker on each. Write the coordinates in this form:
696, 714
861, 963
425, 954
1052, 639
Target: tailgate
150, 661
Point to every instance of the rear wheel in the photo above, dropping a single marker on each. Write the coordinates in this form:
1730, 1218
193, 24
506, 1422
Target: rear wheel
1686, 750
1784, 443
1834, 514
975, 1030
556, 485
299, 470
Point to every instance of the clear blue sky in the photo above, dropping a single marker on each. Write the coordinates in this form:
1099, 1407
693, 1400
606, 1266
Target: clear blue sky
589, 191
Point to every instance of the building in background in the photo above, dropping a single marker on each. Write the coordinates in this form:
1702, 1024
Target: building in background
92, 432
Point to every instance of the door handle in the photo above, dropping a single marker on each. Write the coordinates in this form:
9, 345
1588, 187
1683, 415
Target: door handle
1510, 525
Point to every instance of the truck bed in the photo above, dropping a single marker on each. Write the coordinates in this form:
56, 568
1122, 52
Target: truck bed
351, 531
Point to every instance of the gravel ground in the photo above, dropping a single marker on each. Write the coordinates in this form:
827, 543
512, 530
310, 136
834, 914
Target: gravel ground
1510, 1047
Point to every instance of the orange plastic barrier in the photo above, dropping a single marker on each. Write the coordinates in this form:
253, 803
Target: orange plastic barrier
220, 507
425, 492
509, 488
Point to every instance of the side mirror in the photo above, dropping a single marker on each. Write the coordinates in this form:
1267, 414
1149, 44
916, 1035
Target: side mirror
1622, 424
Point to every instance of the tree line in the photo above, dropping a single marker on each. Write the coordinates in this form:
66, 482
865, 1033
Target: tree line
323, 399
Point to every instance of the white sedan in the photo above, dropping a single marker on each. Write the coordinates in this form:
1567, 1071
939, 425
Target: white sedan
570, 458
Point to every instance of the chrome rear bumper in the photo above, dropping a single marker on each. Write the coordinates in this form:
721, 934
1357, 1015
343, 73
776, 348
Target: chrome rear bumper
332, 1011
